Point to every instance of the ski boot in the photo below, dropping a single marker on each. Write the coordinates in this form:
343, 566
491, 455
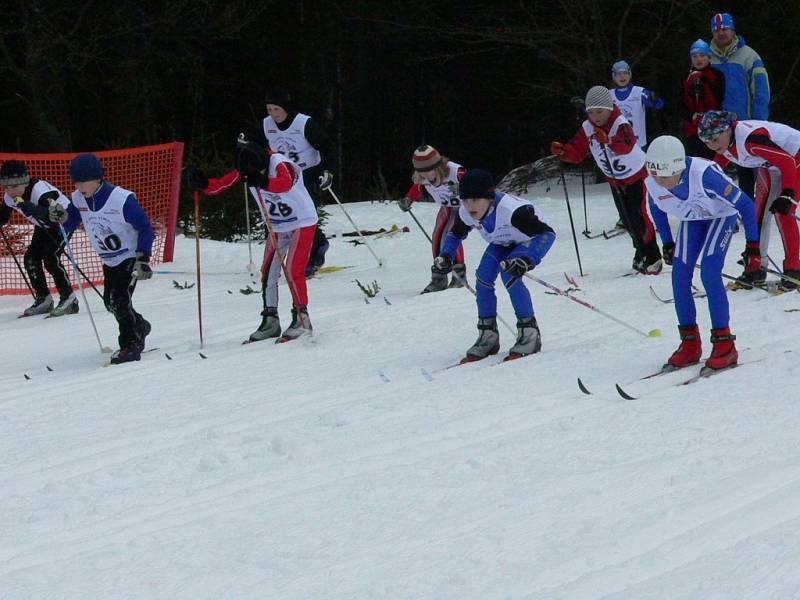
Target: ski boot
528, 339
690, 350
638, 261
790, 279
126, 354
300, 325
723, 354
270, 325
488, 341
437, 284
41, 305
459, 277
144, 331
749, 279
66, 306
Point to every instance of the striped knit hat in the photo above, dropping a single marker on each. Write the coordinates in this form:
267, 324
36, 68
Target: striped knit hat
426, 158
599, 97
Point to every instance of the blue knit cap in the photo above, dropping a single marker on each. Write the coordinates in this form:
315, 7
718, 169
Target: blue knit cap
477, 183
86, 167
721, 21
620, 67
700, 47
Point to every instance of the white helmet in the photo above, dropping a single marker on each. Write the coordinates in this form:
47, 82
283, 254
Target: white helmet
665, 156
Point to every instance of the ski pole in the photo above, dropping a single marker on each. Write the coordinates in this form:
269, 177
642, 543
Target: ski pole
16, 262
621, 207
197, 262
363, 239
571, 222
560, 292
251, 267
422, 229
77, 266
71, 256
583, 189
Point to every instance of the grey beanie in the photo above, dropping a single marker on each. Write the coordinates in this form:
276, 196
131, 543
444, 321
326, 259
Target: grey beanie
599, 97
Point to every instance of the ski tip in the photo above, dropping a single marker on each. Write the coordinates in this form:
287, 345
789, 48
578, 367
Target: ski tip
49, 368
202, 355
168, 356
583, 388
623, 393
26, 376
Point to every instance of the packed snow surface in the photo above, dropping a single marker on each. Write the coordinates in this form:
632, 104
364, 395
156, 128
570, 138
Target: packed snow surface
355, 465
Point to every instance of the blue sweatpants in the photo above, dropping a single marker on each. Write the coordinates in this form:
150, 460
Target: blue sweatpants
708, 240
489, 268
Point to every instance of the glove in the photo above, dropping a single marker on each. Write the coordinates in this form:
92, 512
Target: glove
325, 180
601, 136
783, 203
252, 161
141, 267
752, 257
442, 265
517, 266
57, 213
404, 203
668, 252
194, 178
557, 148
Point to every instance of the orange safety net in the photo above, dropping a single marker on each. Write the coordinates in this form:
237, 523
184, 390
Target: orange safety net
153, 173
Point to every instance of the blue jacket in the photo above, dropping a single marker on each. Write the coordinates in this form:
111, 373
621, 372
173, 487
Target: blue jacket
746, 80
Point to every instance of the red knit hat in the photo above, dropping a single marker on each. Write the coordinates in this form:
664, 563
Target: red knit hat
426, 158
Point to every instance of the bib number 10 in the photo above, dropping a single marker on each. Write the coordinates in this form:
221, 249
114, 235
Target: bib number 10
110, 243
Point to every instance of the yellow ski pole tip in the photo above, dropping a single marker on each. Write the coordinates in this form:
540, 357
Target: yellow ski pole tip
654, 333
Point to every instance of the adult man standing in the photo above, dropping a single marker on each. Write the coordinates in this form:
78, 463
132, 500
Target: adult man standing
746, 81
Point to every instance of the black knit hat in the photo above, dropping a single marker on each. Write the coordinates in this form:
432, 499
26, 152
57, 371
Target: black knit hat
477, 183
14, 172
281, 98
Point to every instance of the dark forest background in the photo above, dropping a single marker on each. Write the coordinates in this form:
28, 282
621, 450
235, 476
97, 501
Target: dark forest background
487, 84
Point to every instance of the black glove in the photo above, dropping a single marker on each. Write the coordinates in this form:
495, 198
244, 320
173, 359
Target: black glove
325, 180
517, 266
141, 267
194, 178
404, 203
668, 252
252, 161
783, 203
442, 265
57, 213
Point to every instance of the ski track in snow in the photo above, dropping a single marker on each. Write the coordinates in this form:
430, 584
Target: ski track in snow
333, 468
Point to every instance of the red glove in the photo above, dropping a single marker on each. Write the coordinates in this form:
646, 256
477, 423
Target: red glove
557, 148
600, 136
752, 257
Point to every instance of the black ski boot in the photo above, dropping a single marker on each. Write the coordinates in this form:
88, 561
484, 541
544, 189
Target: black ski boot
66, 306
300, 325
270, 325
126, 354
488, 341
437, 284
41, 305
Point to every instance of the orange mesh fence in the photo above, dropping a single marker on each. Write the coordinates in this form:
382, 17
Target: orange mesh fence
152, 172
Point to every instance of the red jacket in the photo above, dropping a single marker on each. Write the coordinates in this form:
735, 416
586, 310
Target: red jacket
758, 143
702, 91
623, 142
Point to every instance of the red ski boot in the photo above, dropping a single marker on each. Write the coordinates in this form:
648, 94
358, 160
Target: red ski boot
690, 350
724, 354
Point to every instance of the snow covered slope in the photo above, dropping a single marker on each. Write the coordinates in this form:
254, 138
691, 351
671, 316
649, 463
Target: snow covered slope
357, 466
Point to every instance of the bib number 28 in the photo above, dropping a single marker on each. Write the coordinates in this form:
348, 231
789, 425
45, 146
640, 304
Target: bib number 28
279, 209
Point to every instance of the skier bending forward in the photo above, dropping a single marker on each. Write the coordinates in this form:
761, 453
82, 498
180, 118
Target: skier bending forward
518, 240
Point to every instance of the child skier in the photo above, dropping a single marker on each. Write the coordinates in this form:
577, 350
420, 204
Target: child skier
707, 202
633, 100
774, 149
608, 135
122, 236
518, 240
439, 177
288, 211
45, 207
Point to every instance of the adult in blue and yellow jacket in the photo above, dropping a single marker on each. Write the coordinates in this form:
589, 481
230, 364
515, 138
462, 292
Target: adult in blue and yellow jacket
746, 80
